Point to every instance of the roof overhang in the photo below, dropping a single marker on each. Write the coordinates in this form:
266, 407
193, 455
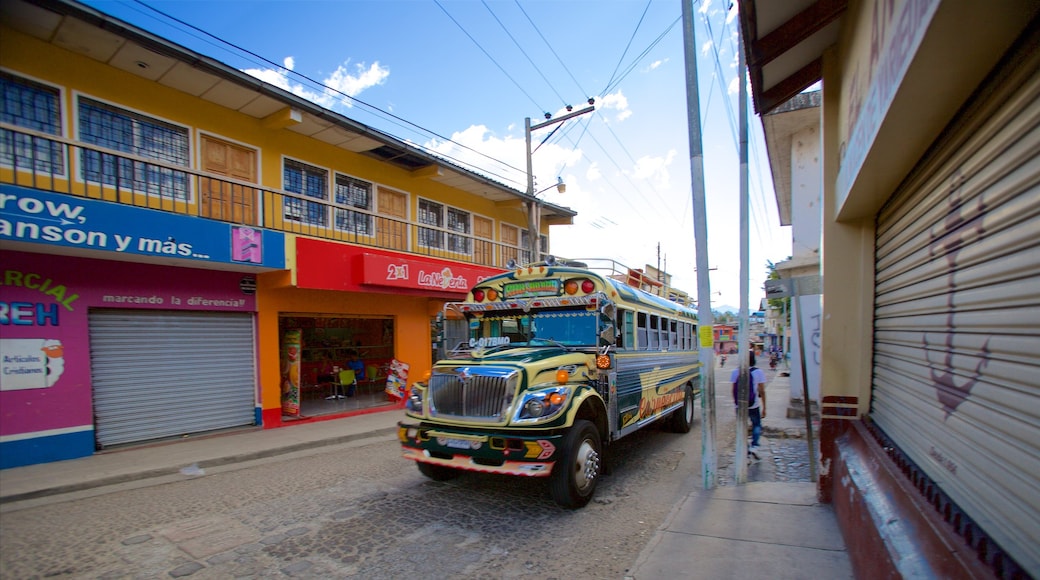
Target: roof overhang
784, 41
81, 29
779, 127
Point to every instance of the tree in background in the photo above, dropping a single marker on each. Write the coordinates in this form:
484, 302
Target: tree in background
781, 304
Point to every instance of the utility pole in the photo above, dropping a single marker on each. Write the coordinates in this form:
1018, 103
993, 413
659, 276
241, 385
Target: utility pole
742, 347
533, 213
705, 320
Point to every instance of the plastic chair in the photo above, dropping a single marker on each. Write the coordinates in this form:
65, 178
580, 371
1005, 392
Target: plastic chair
346, 377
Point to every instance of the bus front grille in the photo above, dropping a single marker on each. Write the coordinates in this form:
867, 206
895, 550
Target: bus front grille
469, 395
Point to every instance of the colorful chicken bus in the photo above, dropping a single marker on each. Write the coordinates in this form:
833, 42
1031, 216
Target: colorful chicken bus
560, 361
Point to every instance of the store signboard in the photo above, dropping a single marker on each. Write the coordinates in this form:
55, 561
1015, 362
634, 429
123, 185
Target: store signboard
420, 274
38, 217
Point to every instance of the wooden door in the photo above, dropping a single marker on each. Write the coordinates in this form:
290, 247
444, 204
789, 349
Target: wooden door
223, 200
392, 230
483, 234
510, 239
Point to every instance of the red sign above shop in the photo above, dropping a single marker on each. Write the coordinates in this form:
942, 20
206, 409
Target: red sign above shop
417, 273
334, 266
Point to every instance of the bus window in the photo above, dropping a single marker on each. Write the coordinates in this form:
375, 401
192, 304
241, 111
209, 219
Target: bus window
654, 332
567, 328
641, 332
628, 329
673, 335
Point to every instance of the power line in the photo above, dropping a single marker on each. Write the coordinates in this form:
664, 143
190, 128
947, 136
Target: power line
487, 54
522, 51
631, 38
551, 49
394, 118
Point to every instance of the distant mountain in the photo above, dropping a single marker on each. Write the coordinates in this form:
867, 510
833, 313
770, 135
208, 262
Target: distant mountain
724, 308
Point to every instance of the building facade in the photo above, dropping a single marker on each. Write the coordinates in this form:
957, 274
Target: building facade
187, 249
930, 190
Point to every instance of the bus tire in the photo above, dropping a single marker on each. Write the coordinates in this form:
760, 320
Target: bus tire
437, 472
682, 418
575, 475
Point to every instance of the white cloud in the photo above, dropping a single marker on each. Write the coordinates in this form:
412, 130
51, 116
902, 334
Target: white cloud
618, 102
337, 84
734, 86
593, 173
656, 64
654, 169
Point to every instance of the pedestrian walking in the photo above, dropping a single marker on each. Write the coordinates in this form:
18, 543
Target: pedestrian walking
756, 399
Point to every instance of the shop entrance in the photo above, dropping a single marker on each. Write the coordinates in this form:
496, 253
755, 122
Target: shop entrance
343, 362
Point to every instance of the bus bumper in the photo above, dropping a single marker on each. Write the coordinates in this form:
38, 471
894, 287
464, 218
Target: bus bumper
505, 453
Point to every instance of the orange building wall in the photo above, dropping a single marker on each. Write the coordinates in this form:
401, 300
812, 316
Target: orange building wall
411, 317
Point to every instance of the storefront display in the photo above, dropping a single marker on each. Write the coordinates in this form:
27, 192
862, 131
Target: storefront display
325, 345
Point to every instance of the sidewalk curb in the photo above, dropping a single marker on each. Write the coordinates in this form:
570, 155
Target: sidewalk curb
214, 462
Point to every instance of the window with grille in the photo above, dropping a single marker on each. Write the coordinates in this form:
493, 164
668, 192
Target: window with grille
34, 106
115, 128
309, 181
459, 221
431, 214
525, 246
121, 130
355, 193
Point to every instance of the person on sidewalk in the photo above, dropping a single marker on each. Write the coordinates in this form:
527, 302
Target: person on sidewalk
756, 400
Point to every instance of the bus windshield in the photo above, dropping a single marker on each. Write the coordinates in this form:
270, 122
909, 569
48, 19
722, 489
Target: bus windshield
565, 327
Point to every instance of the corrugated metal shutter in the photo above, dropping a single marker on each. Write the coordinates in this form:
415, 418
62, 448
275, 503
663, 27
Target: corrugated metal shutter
160, 374
957, 315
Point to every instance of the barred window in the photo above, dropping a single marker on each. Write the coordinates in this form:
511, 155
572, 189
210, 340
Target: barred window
309, 181
459, 221
525, 246
432, 214
34, 106
356, 193
115, 128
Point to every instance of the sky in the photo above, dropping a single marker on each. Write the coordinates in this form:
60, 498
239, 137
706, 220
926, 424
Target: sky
459, 77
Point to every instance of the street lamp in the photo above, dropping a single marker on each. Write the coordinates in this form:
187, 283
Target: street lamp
533, 212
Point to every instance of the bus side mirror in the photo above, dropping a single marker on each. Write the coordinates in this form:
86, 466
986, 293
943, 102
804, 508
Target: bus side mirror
608, 335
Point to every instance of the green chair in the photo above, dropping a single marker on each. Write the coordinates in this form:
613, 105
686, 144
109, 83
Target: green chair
346, 379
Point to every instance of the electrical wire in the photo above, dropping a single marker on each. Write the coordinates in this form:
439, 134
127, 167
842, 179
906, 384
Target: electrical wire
522, 51
394, 118
551, 49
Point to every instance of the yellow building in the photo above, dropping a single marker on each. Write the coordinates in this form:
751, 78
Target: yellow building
187, 248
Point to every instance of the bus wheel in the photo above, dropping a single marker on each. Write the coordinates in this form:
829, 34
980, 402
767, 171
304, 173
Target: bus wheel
437, 472
682, 418
574, 477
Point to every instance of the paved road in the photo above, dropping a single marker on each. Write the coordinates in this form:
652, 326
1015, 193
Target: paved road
361, 510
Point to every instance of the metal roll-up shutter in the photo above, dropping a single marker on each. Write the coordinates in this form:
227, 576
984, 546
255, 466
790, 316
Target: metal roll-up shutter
160, 374
957, 315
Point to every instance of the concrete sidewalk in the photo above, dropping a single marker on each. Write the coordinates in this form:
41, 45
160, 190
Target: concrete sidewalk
757, 530
765, 528
205, 452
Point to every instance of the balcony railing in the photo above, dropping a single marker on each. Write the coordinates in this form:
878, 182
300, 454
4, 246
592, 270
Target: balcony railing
40, 161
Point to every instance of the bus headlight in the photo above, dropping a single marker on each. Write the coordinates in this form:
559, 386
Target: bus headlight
414, 404
542, 405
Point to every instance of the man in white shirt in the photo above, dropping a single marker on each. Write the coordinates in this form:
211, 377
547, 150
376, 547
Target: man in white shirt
756, 399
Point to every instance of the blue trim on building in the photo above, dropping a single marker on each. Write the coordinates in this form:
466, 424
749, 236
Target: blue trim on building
46, 449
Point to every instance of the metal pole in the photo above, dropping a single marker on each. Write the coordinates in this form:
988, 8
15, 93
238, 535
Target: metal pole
797, 312
705, 319
743, 385
532, 203
533, 213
